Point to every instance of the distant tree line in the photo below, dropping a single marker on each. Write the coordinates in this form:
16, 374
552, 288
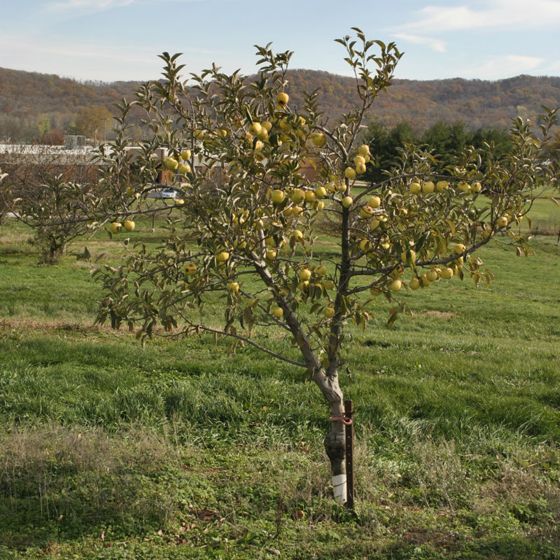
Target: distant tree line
443, 140
39, 108
94, 121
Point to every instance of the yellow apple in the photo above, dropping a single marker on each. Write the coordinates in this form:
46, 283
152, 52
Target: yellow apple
428, 187
259, 145
129, 225
321, 192
267, 125
359, 161
297, 235
304, 274
347, 201
414, 283
350, 173
297, 196
432, 275
374, 202
446, 273
116, 227
442, 186
184, 168
477, 187
282, 98
364, 151
277, 196
395, 285
415, 187
190, 268
366, 212
277, 312
170, 163
459, 249
233, 287
309, 196
186, 154
502, 222
222, 257
255, 128
318, 139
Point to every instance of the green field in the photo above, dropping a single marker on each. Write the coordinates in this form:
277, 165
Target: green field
183, 449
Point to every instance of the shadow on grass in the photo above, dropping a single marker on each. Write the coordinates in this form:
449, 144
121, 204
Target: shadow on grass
495, 548
59, 484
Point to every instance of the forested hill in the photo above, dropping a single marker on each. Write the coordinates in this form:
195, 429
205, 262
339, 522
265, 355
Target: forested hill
478, 103
31, 101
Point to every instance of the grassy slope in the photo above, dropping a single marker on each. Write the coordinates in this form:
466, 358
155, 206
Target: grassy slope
181, 450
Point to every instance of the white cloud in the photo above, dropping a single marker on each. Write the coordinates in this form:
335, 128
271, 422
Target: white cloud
94, 61
94, 5
98, 5
492, 14
498, 67
436, 45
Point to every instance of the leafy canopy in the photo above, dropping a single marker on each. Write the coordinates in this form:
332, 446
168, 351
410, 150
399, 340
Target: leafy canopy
263, 182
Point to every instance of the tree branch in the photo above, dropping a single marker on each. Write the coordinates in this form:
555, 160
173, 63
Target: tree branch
243, 339
388, 269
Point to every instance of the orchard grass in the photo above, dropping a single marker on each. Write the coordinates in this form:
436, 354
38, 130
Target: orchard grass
184, 449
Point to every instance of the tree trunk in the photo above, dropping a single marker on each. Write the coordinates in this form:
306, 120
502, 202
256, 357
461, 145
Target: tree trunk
335, 440
53, 252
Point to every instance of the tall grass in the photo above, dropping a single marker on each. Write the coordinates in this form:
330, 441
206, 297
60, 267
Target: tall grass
189, 449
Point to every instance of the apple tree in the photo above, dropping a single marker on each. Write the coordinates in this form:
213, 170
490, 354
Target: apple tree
54, 194
264, 181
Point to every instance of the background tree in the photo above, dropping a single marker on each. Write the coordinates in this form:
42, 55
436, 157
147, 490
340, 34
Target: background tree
444, 141
387, 144
54, 137
262, 180
55, 196
94, 122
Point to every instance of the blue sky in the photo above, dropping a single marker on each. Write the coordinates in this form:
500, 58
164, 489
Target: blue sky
120, 39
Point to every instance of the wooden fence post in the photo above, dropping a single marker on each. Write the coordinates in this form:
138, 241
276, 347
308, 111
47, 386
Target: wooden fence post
349, 455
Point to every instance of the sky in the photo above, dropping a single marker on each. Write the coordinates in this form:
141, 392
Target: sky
110, 40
